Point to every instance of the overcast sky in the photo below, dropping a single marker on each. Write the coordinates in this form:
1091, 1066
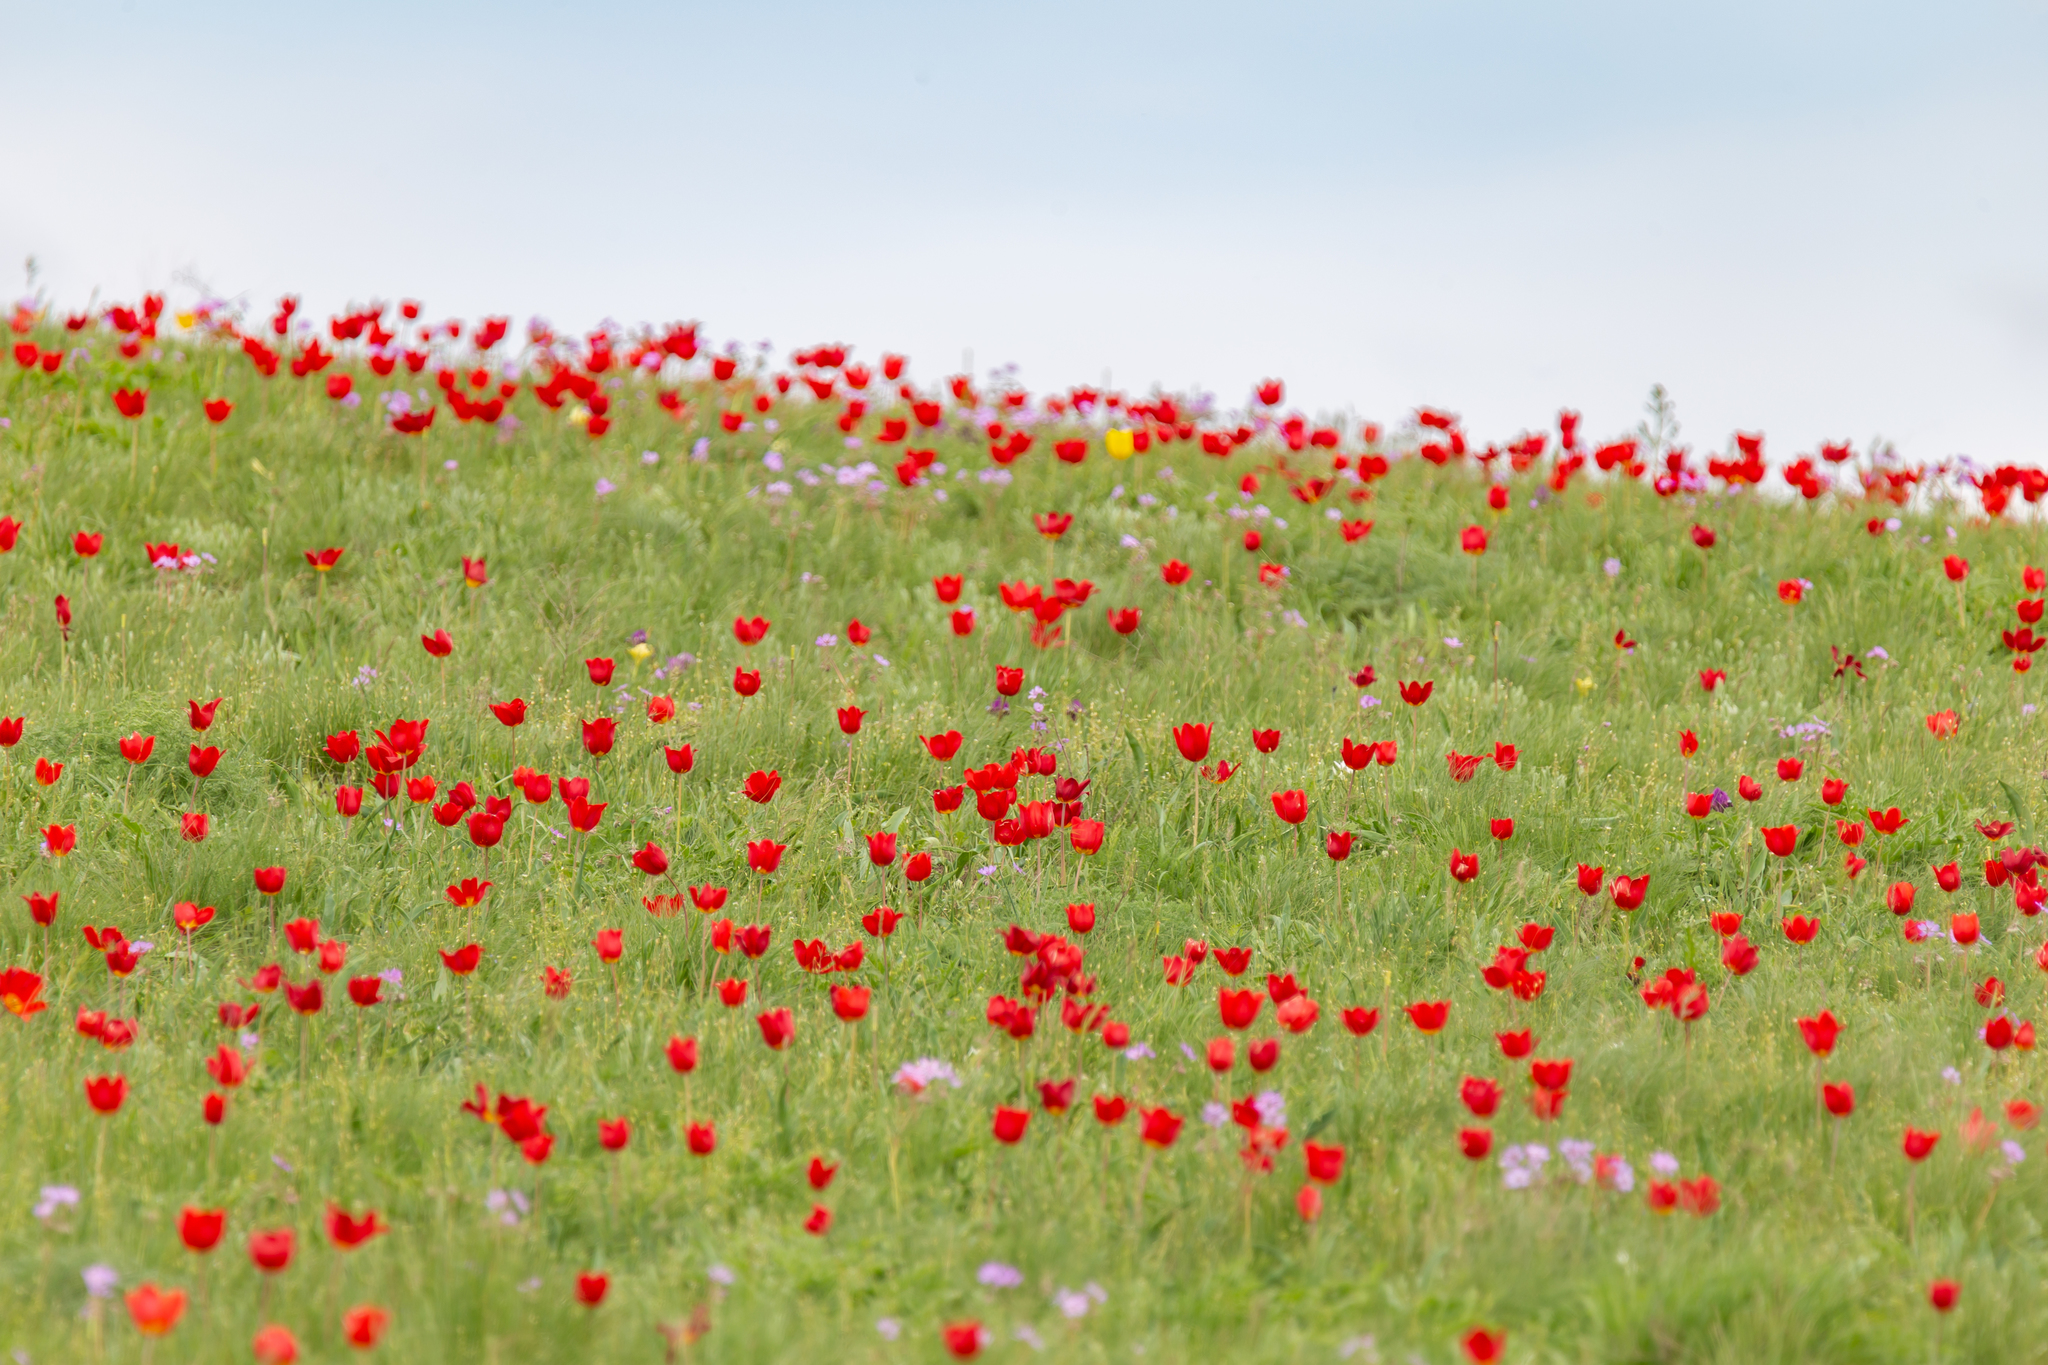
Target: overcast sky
1824, 221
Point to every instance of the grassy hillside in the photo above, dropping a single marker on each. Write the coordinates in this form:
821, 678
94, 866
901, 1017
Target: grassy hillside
643, 544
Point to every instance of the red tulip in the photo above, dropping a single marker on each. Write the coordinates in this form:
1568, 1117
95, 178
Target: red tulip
702, 1139
271, 1251
682, 1054
1475, 1143
881, 848
1628, 892
1238, 1008
1416, 693
746, 683
363, 1325
347, 1233
1480, 1094
1483, 1347
154, 1311
200, 1229
590, 1289
749, 632
1918, 1144
1464, 866
777, 1028
964, 1340
1159, 1126
269, 880
1840, 1099
1291, 806
1429, 1016
610, 944
510, 713
1193, 741
765, 855
462, 961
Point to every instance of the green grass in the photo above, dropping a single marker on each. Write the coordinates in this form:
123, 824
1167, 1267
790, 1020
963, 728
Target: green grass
1808, 1258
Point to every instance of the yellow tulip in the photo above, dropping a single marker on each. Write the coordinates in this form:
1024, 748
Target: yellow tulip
1118, 443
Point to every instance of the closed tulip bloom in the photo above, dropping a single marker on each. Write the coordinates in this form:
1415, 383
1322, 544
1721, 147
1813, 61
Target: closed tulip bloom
1160, 1127
765, 855
1746, 787
598, 735
1009, 1124
462, 961
1475, 1143
682, 1054
1948, 878
154, 1311
271, 1251
1917, 1144
438, 644
600, 671
1085, 836
200, 1229
1503, 829
1193, 741
1839, 1097
610, 944
882, 848
1291, 806
106, 1093
363, 1326
510, 713
136, 748
746, 683
1238, 1008
1942, 1294
1464, 866
1429, 1016
777, 1028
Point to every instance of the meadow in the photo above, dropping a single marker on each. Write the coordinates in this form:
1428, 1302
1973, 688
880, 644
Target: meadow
1031, 1108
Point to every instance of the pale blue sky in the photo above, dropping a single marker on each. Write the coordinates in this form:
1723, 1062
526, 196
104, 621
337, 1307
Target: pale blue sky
1822, 220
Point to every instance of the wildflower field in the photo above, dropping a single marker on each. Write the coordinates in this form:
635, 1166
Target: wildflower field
535, 848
